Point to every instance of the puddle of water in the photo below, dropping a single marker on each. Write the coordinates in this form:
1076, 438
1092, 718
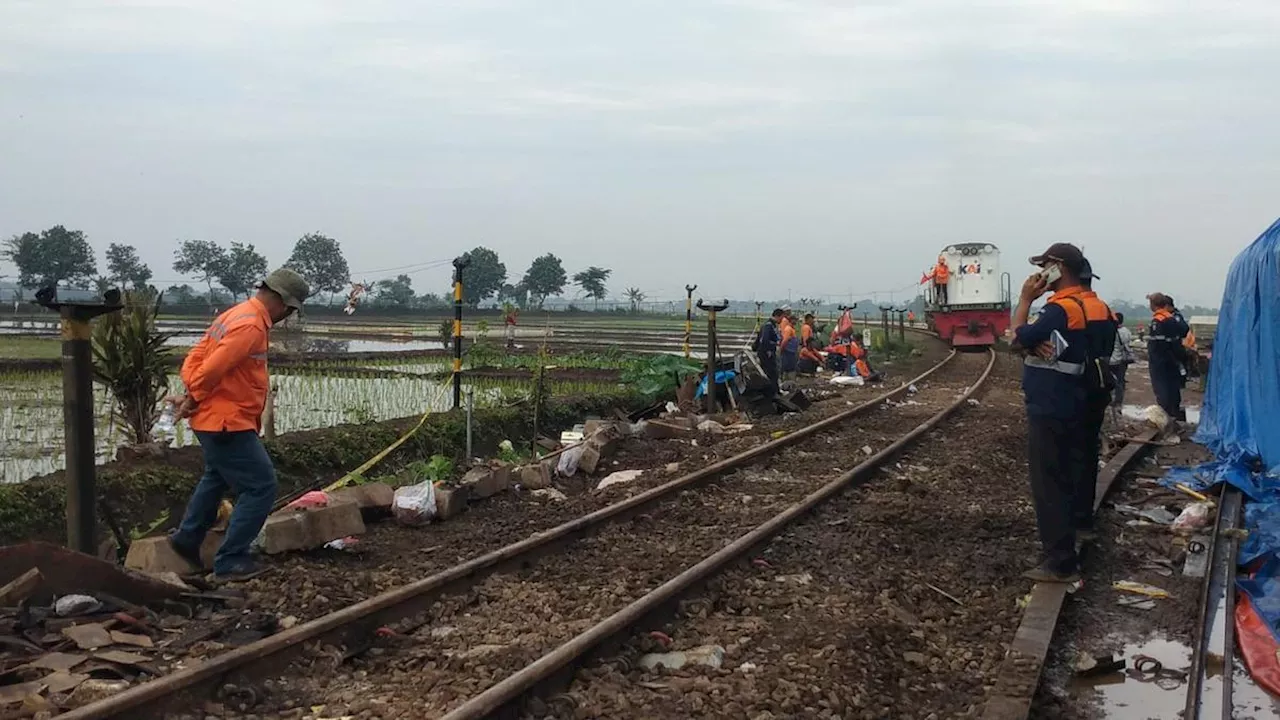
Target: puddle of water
1128, 695
1139, 412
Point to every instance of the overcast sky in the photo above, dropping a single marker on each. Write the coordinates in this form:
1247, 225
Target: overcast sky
749, 146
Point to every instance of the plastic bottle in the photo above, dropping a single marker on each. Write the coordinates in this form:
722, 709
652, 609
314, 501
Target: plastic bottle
165, 424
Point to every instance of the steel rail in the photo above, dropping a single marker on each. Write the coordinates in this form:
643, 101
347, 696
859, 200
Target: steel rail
355, 624
1217, 603
505, 698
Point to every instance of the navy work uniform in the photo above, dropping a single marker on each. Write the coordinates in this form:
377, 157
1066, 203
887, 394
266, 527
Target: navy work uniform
1164, 350
1101, 331
766, 346
1056, 403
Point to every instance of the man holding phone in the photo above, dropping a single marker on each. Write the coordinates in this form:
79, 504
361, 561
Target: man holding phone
1054, 347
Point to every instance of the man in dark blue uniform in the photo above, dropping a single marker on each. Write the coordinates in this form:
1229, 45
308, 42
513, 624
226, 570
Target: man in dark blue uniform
1055, 349
1100, 328
1164, 354
766, 347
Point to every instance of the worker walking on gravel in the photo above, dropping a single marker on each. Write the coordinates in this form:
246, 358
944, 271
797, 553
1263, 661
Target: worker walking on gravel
1165, 355
1100, 328
1055, 350
226, 379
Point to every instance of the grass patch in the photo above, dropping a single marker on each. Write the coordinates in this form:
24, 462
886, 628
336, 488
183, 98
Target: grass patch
30, 348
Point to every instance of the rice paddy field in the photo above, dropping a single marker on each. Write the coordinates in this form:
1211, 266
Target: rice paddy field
335, 374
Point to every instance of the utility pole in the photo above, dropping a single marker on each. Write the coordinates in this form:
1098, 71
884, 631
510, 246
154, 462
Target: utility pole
458, 264
77, 412
688, 318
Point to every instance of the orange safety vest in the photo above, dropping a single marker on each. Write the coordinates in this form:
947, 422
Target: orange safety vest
806, 334
1076, 315
941, 273
226, 372
788, 331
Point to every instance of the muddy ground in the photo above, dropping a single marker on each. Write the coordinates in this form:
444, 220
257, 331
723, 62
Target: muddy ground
1093, 622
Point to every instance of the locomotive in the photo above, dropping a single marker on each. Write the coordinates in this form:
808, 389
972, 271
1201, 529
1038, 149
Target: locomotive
976, 309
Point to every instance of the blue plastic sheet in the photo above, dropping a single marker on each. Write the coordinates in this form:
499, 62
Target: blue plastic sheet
722, 378
1264, 590
1239, 420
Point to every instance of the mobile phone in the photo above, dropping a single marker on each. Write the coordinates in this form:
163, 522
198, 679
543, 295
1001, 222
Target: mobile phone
1051, 273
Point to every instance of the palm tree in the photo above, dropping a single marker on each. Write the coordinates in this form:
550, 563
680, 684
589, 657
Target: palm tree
635, 297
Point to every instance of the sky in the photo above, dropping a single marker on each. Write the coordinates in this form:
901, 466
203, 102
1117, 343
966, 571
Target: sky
754, 147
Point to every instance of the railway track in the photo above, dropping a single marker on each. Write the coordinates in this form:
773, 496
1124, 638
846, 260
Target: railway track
474, 642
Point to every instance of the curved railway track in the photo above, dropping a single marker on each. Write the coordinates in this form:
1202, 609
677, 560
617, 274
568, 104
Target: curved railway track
478, 642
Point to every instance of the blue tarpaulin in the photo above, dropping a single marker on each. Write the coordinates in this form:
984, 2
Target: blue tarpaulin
1239, 419
722, 378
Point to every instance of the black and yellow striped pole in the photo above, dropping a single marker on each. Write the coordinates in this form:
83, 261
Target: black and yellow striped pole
688, 318
458, 265
77, 413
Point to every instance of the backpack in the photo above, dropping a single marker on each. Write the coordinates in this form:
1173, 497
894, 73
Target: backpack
1098, 378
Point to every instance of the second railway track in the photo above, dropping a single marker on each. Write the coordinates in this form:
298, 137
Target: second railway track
467, 642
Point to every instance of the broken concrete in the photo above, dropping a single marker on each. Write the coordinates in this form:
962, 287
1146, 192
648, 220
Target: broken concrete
373, 499
590, 459
665, 430
307, 529
450, 502
535, 477
482, 482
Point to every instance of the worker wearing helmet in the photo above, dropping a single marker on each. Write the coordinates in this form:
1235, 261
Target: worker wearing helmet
226, 379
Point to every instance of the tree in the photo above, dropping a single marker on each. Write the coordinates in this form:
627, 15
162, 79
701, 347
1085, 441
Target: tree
55, 255
517, 294
483, 277
635, 297
395, 293
592, 281
180, 295
244, 268
124, 267
319, 259
546, 277
201, 258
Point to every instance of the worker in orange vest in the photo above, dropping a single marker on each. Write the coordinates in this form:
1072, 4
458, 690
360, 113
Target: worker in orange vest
941, 276
789, 346
226, 379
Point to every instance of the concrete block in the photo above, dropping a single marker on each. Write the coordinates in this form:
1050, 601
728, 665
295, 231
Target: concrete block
450, 502
372, 498
330, 523
663, 430
306, 529
606, 440
595, 425
154, 555
502, 471
481, 483
284, 532
590, 459
535, 477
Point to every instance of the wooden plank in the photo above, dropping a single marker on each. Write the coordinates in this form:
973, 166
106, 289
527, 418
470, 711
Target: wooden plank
1019, 674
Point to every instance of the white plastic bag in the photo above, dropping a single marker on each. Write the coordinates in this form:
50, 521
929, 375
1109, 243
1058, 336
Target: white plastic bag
569, 460
1195, 516
414, 504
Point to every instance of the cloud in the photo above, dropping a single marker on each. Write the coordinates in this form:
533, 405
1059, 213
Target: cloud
642, 131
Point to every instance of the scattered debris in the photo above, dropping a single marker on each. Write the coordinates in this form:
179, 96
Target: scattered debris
1089, 666
1193, 517
622, 476
415, 505
1157, 515
76, 605
709, 655
89, 636
550, 494
20, 588
945, 594
1137, 588
1197, 562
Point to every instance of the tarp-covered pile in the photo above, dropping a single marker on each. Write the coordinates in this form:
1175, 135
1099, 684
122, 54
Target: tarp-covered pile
1239, 423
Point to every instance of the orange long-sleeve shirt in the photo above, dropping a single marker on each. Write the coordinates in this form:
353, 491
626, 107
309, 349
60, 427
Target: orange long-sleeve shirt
226, 372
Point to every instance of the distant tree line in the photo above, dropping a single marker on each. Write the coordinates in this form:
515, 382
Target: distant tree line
225, 273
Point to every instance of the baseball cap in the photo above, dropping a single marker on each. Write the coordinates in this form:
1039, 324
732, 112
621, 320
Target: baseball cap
1086, 271
1065, 253
289, 285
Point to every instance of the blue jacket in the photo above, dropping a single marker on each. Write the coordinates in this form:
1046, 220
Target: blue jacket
1164, 338
767, 341
1055, 389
